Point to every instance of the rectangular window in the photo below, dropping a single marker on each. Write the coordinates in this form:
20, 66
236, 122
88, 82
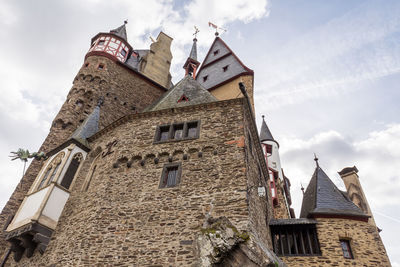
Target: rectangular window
101, 42
192, 130
225, 68
178, 131
295, 240
205, 78
100, 67
346, 249
123, 52
170, 176
216, 52
268, 149
164, 133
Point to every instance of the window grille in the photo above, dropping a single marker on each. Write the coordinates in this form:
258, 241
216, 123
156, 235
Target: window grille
170, 175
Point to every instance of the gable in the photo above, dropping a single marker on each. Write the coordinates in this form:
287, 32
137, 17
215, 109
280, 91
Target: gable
219, 46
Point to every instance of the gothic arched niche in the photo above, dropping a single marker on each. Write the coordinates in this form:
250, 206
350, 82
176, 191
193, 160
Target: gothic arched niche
50, 171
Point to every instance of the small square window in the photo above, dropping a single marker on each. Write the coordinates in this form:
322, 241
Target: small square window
225, 68
216, 52
164, 133
268, 149
192, 129
100, 67
101, 42
205, 78
345, 244
178, 131
170, 176
123, 52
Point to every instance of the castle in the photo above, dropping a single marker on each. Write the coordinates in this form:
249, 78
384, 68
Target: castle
142, 172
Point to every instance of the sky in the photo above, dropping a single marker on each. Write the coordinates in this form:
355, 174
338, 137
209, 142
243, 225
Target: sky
326, 78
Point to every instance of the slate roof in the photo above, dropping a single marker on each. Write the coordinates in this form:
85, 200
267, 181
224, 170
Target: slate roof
188, 87
89, 126
193, 52
120, 32
323, 197
265, 133
134, 62
292, 221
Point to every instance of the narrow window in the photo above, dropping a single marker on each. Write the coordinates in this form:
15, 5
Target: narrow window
225, 68
101, 42
346, 249
70, 173
54, 173
164, 133
101, 66
170, 176
86, 65
178, 131
90, 179
192, 129
205, 78
216, 52
123, 52
44, 178
268, 149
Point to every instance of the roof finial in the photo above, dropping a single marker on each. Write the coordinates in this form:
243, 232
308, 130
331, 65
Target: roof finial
316, 160
302, 188
263, 116
100, 101
126, 21
196, 31
216, 28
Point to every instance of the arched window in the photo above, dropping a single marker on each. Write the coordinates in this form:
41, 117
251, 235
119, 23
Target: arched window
51, 168
91, 173
71, 171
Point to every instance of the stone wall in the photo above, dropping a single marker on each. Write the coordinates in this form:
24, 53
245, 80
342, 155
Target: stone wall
124, 217
122, 90
280, 210
366, 244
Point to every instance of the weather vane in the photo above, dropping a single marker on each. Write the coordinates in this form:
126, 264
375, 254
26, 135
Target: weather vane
196, 31
216, 28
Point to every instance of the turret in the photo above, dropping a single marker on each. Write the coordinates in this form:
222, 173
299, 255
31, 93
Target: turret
279, 183
191, 63
355, 191
113, 44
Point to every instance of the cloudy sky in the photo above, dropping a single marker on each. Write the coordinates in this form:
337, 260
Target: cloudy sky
326, 77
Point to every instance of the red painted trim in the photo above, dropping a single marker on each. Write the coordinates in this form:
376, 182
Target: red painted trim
229, 80
111, 35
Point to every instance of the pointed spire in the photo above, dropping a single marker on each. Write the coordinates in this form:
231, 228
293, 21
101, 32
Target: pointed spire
191, 63
90, 125
193, 52
265, 133
316, 160
121, 31
323, 197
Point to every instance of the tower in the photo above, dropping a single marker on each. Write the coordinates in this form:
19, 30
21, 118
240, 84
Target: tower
355, 191
191, 63
279, 184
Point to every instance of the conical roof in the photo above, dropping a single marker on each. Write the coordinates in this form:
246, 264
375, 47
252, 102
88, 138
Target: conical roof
323, 197
121, 31
187, 92
265, 133
193, 52
89, 126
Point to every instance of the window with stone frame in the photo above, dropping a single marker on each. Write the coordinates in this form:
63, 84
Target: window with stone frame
71, 171
177, 131
346, 248
295, 240
52, 169
171, 175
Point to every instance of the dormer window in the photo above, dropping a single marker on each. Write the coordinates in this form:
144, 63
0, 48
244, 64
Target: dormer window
216, 52
225, 68
205, 78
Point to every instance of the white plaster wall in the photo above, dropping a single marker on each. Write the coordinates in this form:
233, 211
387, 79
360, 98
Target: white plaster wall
31, 205
274, 160
55, 203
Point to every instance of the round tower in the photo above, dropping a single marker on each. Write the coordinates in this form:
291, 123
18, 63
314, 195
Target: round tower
113, 44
